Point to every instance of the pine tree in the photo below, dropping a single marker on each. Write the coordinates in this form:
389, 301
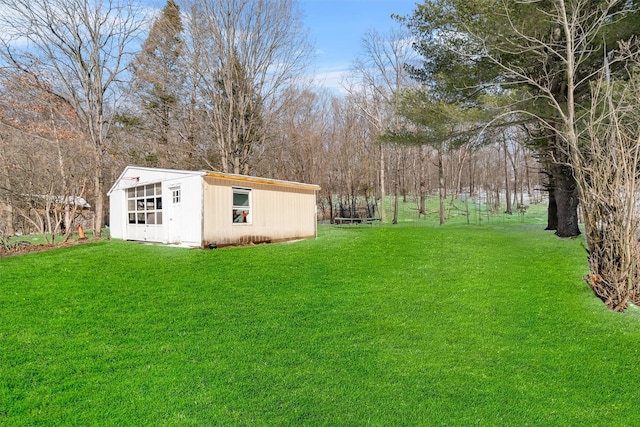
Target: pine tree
475, 49
158, 73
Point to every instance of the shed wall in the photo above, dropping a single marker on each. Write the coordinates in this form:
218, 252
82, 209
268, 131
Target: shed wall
278, 212
182, 222
117, 214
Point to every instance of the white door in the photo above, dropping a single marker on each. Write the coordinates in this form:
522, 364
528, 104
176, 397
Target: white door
174, 220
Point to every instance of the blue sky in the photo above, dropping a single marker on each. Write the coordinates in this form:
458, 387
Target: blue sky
336, 28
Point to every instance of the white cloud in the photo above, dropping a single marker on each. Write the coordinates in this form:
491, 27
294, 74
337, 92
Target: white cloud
331, 79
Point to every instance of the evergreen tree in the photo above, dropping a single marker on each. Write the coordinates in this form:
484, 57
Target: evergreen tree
516, 49
158, 74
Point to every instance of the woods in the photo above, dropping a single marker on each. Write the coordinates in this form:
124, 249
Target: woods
564, 71
501, 104
113, 86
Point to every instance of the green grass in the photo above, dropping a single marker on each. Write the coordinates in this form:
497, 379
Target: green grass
383, 325
459, 212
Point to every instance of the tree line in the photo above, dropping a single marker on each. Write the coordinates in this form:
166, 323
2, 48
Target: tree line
566, 72
87, 88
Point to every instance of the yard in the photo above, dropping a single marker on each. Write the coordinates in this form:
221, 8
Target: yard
366, 325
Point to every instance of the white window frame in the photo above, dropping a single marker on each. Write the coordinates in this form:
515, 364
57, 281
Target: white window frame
241, 214
144, 204
176, 195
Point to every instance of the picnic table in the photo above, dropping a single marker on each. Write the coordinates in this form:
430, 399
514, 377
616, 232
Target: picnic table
344, 220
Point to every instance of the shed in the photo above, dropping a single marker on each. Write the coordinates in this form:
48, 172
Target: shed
201, 208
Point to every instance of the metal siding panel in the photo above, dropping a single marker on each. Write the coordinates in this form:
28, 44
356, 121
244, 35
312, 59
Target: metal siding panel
117, 214
277, 213
192, 211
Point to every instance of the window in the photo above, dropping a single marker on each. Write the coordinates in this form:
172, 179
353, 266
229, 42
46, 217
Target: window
241, 206
175, 196
144, 204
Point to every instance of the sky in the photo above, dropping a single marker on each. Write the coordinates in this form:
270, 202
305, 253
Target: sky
336, 27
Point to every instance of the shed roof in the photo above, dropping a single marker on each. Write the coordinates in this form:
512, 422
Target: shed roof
221, 175
267, 181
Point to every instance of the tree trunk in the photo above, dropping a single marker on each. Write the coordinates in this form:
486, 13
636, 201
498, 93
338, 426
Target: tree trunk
383, 214
507, 189
6, 207
331, 210
528, 178
566, 199
98, 208
442, 191
552, 208
396, 190
63, 175
422, 184
472, 177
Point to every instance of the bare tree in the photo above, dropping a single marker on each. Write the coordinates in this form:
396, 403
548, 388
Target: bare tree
82, 47
42, 153
606, 164
377, 74
249, 51
296, 150
6, 205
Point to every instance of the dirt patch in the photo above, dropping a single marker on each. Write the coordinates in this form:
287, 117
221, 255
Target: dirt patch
21, 248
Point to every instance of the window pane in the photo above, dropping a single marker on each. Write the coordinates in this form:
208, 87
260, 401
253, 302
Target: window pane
139, 191
141, 218
132, 218
131, 192
240, 199
140, 204
158, 217
150, 189
158, 203
151, 218
132, 205
241, 216
158, 189
151, 205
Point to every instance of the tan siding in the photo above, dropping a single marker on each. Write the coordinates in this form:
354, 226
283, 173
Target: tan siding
277, 213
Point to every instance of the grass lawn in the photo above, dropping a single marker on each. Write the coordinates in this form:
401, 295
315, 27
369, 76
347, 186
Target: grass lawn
366, 325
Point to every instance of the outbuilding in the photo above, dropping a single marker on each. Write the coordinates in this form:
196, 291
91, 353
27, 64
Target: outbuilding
203, 208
